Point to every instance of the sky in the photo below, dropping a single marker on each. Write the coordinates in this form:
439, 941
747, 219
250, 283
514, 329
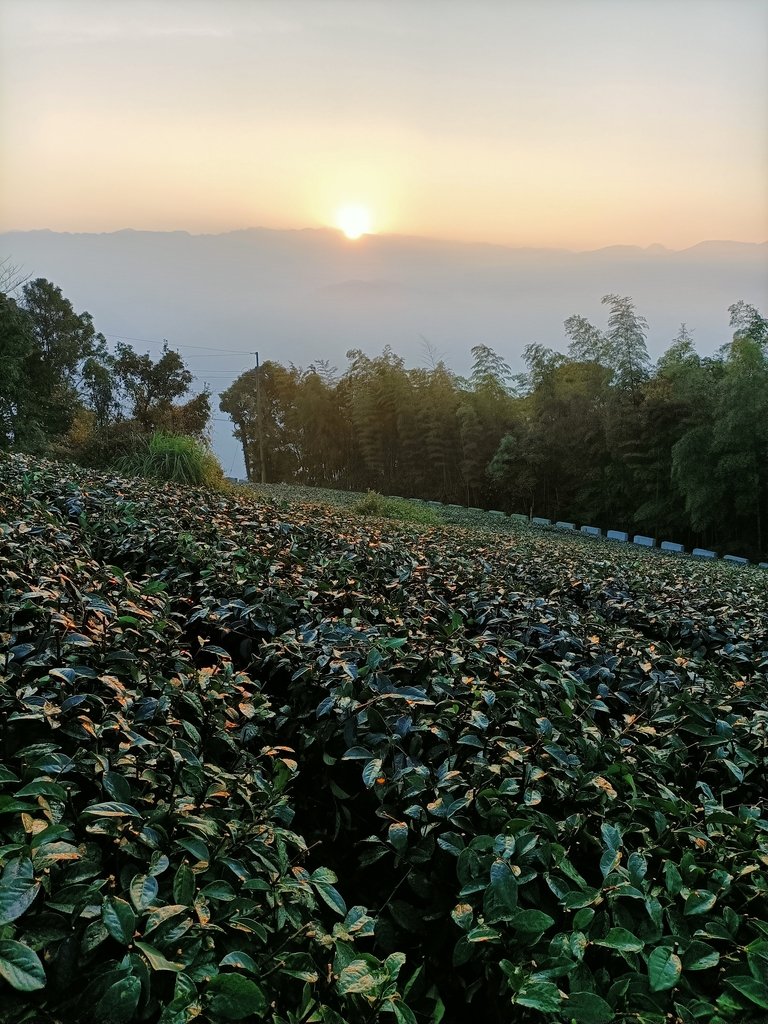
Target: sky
551, 123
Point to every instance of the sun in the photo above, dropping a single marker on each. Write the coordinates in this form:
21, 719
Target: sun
354, 221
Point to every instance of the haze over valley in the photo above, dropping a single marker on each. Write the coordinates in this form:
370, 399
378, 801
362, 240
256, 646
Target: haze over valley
303, 295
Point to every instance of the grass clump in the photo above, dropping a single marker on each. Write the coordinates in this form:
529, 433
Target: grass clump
175, 458
376, 505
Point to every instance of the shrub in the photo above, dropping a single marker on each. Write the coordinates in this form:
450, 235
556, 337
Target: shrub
540, 763
176, 458
376, 505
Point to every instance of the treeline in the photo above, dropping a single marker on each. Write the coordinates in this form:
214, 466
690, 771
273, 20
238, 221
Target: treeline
594, 434
64, 392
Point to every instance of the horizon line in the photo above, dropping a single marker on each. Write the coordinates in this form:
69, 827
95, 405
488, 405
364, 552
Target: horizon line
372, 236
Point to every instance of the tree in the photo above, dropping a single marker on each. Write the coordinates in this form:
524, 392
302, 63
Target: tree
12, 276
374, 388
588, 343
61, 365
15, 347
626, 336
720, 462
153, 387
274, 428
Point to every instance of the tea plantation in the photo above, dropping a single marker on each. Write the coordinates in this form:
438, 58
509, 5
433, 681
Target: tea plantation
263, 760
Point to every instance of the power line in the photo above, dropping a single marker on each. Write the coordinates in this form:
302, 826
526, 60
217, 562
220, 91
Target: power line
215, 376
158, 341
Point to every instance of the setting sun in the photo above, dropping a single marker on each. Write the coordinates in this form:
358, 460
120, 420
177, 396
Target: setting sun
354, 221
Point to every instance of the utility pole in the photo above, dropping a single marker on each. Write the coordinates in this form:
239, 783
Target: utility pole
262, 467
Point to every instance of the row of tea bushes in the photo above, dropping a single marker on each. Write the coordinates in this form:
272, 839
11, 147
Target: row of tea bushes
150, 869
540, 761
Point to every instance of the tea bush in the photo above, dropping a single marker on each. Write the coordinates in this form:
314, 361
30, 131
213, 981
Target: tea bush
539, 762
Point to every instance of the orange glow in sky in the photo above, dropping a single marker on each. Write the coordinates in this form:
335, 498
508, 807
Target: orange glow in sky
538, 122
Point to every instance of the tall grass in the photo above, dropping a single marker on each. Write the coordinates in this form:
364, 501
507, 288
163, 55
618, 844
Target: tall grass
176, 458
376, 505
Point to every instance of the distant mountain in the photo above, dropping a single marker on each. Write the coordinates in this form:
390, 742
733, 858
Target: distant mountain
297, 296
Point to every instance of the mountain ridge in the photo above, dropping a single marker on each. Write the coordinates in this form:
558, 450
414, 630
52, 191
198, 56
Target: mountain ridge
724, 244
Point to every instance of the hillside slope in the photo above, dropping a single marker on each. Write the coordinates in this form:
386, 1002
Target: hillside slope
539, 762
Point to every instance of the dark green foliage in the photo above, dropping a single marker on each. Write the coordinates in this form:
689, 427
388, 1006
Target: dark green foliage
150, 870
62, 391
677, 451
15, 346
54, 363
540, 761
152, 388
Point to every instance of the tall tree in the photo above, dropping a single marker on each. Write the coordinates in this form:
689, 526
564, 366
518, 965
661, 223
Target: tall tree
152, 388
15, 347
626, 334
65, 351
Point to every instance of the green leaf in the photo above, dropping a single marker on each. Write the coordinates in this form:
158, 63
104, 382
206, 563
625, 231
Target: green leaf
451, 842
111, 809
482, 933
620, 938
609, 861
241, 960
611, 837
672, 878
332, 897
403, 1014
588, 1008
119, 919
157, 961
43, 788
372, 772
118, 1004
532, 921
117, 786
699, 902
398, 835
356, 977
757, 958
700, 957
500, 899
539, 995
235, 997
143, 890
184, 885
10, 806
751, 988
16, 896
664, 969
21, 967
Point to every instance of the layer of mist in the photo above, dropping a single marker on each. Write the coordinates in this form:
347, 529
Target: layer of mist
300, 296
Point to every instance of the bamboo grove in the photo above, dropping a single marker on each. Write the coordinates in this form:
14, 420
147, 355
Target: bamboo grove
597, 433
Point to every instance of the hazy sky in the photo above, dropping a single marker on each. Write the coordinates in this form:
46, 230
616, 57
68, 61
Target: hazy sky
575, 123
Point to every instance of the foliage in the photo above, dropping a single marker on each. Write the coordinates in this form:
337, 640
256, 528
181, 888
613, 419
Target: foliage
15, 345
153, 386
54, 362
677, 451
176, 458
63, 391
539, 760
145, 812
377, 506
